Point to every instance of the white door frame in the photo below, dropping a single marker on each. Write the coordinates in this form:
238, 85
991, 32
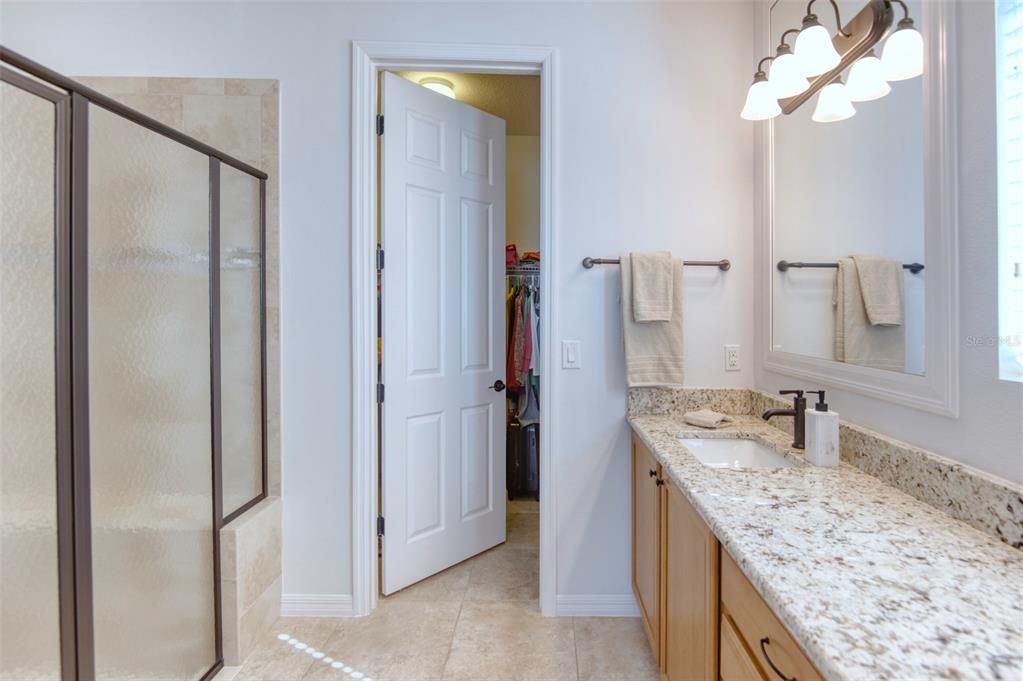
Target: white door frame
368, 59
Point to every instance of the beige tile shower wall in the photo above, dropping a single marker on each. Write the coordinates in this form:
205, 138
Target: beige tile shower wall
239, 117
250, 569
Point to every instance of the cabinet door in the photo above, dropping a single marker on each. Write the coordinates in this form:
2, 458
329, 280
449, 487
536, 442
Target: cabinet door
736, 662
646, 539
690, 586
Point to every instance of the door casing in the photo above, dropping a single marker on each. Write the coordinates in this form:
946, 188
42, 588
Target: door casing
368, 59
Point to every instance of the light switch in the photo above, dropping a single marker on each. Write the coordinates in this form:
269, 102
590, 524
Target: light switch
571, 357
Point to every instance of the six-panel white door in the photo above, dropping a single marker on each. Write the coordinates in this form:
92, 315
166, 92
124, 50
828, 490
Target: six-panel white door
443, 232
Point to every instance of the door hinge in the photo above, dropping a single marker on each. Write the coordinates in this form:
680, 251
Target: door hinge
380, 392
380, 260
380, 124
380, 526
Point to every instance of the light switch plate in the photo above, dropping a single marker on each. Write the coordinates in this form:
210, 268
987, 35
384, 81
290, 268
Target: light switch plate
732, 358
571, 357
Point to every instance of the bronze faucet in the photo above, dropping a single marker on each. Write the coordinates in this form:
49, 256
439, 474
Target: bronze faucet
798, 413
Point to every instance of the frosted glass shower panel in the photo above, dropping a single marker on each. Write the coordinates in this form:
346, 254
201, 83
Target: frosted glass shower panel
149, 401
241, 356
29, 606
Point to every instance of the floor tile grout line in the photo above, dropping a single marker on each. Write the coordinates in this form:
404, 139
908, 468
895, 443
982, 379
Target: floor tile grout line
575, 648
451, 643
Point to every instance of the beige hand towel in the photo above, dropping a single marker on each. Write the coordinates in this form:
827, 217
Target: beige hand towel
881, 282
706, 418
653, 277
856, 340
653, 350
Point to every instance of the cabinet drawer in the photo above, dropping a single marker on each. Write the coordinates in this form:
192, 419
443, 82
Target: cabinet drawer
767, 640
736, 662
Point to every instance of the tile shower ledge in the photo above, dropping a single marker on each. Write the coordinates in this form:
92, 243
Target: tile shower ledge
871, 582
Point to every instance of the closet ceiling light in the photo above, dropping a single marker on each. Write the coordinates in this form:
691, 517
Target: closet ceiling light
833, 104
761, 102
903, 54
821, 58
444, 87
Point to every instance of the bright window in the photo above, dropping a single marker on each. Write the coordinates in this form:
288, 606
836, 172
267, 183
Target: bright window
1010, 188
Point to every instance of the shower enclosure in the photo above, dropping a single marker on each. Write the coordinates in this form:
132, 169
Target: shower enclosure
132, 383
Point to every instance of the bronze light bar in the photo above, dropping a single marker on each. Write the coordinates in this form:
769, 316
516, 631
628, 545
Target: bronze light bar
785, 265
723, 264
853, 41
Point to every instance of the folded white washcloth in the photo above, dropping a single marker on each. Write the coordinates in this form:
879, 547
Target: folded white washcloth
706, 418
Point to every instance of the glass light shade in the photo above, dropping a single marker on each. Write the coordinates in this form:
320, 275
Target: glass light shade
814, 51
439, 85
787, 79
761, 102
903, 54
833, 104
866, 80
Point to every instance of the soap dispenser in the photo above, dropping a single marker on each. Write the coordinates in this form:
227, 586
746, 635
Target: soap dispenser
821, 433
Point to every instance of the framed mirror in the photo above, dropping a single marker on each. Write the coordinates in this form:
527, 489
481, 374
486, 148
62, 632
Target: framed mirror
856, 233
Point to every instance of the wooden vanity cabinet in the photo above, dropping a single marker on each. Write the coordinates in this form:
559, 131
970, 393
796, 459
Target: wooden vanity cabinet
689, 588
704, 619
761, 634
646, 540
674, 573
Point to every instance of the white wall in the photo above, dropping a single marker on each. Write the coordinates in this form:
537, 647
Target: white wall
522, 180
989, 432
652, 156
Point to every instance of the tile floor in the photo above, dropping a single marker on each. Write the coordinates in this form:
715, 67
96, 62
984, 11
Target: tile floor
476, 621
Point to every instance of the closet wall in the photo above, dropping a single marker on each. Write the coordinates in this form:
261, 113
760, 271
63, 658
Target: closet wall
522, 202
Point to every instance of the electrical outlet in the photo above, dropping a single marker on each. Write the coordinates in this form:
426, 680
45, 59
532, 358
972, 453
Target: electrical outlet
732, 358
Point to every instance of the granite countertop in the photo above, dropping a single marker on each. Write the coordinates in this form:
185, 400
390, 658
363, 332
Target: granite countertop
872, 583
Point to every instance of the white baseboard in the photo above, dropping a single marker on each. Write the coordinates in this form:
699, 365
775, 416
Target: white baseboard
597, 605
317, 605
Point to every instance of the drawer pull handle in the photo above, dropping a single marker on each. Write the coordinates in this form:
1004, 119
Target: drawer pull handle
652, 472
763, 648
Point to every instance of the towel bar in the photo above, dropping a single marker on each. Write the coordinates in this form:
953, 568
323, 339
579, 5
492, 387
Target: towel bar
723, 265
784, 265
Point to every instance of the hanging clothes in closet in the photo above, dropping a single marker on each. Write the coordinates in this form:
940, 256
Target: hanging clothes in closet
522, 317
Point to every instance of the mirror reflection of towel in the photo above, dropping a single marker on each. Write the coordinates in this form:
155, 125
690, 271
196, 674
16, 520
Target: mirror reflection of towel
881, 282
857, 341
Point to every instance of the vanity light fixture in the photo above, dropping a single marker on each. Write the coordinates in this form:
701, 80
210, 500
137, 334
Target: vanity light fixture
786, 77
866, 79
822, 58
815, 52
903, 54
761, 100
833, 104
440, 85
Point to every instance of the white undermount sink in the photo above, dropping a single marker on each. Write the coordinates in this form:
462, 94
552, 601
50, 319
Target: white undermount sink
734, 453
